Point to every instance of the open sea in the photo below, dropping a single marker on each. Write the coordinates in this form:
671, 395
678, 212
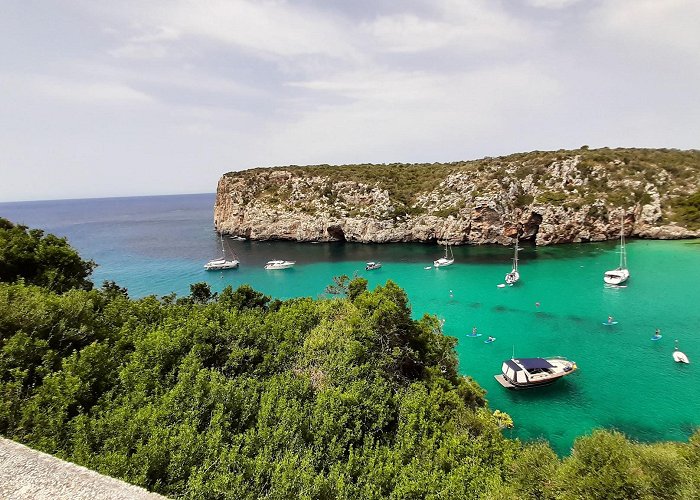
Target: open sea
626, 381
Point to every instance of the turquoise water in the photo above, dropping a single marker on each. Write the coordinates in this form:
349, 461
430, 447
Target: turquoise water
625, 381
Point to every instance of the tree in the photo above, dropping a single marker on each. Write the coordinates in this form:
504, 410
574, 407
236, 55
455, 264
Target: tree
200, 292
39, 259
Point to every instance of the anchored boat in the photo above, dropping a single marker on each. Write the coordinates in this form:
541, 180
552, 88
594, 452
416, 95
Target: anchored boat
221, 263
447, 260
621, 274
513, 276
525, 373
279, 264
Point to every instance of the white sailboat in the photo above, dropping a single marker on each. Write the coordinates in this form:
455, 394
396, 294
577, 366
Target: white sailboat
221, 263
621, 274
513, 276
447, 260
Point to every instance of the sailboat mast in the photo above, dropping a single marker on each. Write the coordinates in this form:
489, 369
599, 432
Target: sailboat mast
623, 252
515, 258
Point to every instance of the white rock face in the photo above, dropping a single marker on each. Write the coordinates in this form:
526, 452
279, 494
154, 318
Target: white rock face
474, 207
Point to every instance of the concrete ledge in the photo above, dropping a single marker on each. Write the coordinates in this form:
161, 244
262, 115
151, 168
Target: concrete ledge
31, 474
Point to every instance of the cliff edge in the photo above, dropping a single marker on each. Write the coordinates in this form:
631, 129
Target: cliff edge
546, 197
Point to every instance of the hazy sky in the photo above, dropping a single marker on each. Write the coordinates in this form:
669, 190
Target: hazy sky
120, 97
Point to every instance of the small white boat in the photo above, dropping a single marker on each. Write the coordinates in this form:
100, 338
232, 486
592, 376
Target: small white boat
221, 263
447, 260
525, 373
513, 276
678, 356
373, 265
279, 264
621, 274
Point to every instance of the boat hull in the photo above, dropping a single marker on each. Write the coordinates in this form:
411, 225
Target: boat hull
528, 373
221, 266
508, 384
616, 276
443, 262
279, 265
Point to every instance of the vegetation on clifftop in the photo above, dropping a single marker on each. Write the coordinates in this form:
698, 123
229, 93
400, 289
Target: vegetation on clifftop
622, 177
237, 395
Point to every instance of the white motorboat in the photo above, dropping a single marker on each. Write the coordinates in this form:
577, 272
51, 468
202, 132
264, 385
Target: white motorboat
221, 263
525, 373
679, 356
447, 260
279, 264
513, 276
373, 265
621, 274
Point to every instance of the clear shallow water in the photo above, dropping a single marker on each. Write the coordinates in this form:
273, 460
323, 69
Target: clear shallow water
626, 381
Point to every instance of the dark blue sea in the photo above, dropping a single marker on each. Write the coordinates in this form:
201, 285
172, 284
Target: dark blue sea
158, 245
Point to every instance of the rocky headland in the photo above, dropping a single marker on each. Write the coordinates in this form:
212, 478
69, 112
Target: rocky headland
544, 197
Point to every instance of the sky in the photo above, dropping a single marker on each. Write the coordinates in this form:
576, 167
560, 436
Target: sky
136, 97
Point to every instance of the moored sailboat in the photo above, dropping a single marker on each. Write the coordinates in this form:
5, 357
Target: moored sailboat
513, 276
221, 263
621, 274
447, 260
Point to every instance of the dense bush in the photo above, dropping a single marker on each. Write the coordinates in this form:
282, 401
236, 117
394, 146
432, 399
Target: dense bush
39, 259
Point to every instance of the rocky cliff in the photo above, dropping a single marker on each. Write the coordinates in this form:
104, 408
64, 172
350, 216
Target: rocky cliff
545, 197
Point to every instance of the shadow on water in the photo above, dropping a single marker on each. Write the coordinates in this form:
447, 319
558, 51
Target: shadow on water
502, 309
563, 390
544, 315
475, 305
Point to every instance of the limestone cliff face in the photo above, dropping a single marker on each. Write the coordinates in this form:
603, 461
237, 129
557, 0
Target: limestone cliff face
555, 198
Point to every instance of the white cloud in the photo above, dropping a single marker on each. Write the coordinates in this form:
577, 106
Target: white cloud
96, 92
475, 26
552, 4
269, 27
389, 116
668, 24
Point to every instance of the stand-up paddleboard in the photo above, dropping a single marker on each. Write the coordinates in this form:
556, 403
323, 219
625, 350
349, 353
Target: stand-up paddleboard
502, 285
609, 323
428, 267
656, 338
473, 335
488, 341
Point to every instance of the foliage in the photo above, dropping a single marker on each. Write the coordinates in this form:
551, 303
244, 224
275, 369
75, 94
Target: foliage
39, 259
687, 210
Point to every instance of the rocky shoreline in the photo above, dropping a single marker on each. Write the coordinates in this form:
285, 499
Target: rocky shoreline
473, 207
